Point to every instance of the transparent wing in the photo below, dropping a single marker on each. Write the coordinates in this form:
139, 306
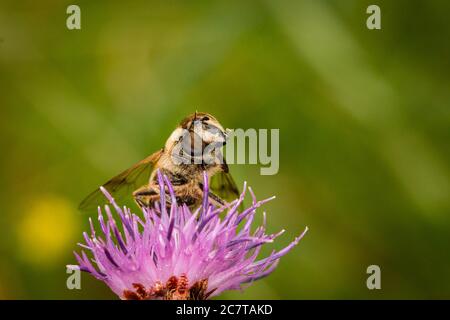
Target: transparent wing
223, 185
123, 185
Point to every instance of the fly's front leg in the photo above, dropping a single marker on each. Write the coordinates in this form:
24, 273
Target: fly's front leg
215, 199
189, 194
146, 196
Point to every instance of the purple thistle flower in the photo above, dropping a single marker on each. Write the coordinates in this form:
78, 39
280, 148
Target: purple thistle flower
172, 253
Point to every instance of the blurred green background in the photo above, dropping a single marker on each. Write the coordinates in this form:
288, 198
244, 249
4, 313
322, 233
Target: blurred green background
363, 116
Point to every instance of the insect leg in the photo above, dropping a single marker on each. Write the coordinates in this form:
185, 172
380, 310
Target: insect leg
215, 199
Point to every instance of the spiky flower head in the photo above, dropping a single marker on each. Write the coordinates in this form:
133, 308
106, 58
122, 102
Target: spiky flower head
173, 253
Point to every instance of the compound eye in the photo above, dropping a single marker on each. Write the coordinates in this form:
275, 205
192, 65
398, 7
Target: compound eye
205, 118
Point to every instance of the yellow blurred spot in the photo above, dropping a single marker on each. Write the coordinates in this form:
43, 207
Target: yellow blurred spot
47, 230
